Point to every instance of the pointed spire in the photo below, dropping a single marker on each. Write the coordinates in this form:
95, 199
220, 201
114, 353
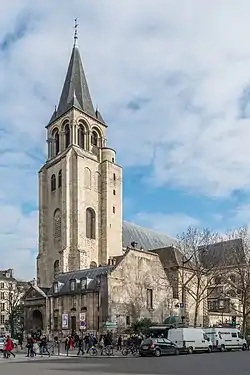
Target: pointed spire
75, 91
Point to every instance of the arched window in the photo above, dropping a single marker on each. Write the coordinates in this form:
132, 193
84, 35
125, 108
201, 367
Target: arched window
53, 182
57, 224
60, 178
56, 268
81, 137
67, 136
94, 138
87, 178
90, 223
55, 142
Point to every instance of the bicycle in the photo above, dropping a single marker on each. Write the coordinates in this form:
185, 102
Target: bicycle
129, 349
93, 351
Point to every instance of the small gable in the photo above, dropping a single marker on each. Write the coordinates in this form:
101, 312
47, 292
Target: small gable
34, 292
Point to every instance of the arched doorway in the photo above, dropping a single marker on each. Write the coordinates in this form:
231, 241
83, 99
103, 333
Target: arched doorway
37, 320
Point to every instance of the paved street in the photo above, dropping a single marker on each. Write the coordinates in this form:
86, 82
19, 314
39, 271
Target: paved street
235, 363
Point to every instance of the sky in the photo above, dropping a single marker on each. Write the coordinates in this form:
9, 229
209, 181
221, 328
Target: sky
172, 80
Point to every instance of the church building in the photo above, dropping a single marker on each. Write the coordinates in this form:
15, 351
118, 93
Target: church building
94, 271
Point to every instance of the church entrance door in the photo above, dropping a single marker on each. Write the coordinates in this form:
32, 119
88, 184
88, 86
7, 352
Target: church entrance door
37, 320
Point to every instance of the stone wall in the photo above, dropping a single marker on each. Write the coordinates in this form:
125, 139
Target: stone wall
130, 284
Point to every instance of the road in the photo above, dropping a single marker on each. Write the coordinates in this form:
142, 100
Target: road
234, 363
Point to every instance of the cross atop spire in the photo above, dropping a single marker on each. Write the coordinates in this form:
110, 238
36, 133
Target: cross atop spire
75, 92
76, 32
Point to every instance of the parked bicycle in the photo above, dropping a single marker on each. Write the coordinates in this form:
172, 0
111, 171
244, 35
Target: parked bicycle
130, 350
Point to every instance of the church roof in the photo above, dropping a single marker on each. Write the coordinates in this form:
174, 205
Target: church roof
148, 239
75, 92
91, 273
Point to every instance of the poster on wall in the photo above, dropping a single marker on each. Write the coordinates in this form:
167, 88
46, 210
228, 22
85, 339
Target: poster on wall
82, 321
65, 321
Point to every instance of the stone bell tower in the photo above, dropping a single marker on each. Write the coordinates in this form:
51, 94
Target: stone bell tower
80, 185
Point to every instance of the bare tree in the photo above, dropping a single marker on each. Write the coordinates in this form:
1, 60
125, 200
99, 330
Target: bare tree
238, 272
199, 266
14, 306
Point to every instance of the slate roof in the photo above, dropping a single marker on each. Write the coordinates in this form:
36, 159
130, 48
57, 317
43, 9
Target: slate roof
90, 273
75, 92
224, 253
148, 239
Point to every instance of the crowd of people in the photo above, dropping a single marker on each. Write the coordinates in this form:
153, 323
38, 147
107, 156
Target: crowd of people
84, 343
37, 344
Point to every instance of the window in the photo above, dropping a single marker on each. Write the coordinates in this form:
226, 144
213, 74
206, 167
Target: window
113, 160
56, 321
56, 268
221, 304
57, 142
2, 306
53, 182
84, 301
2, 295
87, 178
81, 137
2, 319
128, 320
90, 223
60, 178
114, 192
57, 225
83, 283
67, 136
72, 285
149, 298
113, 209
94, 138
2, 285
56, 288
114, 177
234, 334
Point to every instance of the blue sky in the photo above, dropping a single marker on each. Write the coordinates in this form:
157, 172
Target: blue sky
172, 80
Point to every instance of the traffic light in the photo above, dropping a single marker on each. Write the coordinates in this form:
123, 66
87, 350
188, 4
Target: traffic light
234, 321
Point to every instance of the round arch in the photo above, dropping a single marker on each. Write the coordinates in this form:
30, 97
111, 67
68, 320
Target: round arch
64, 123
82, 122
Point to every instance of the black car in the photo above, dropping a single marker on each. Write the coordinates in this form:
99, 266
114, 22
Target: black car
158, 347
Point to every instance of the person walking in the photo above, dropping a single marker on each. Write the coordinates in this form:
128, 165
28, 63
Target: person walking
9, 347
80, 346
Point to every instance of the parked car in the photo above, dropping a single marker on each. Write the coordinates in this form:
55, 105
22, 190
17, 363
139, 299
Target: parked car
189, 340
226, 338
158, 347
2, 344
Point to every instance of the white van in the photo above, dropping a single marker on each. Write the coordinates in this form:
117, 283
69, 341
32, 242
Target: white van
226, 338
190, 340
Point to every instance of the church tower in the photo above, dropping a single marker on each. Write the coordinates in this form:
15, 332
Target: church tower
80, 185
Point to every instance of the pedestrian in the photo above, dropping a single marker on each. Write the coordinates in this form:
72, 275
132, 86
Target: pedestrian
44, 347
80, 346
119, 343
9, 347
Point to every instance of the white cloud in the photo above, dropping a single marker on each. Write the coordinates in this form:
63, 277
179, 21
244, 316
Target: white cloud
188, 65
170, 224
